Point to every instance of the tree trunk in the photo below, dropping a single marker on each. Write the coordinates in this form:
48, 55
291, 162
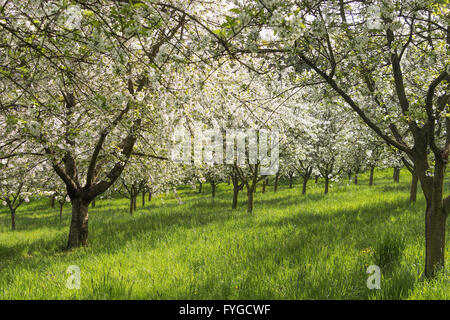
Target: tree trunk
305, 182
413, 191
435, 224
291, 177
372, 169
264, 186
396, 175
326, 184
235, 198
275, 184
149, 195
356, 178
435, 219
78, 233
316, 179
13, 219
200, 187
131, 208
52, 202
93, 203
143, 198
349, 176
213, 189
250, 200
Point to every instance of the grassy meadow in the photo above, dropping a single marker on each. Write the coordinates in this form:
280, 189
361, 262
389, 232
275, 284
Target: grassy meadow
292, 247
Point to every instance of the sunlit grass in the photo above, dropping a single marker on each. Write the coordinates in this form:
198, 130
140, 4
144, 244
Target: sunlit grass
291, 247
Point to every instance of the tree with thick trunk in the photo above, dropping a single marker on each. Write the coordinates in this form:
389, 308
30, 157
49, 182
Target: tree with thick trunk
89, 106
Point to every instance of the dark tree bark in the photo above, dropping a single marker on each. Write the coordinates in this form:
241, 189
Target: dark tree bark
396, 175
305, 172
235, 198
12, 204
250, 183
149, 195
93, 203
131, 206
435, 219
372, 169
213, 188
291, 178
275, 184
236, 188
326, 184
305, 182
78, 233
250, 200
414, 179
13, 219
143, 198
424, 136
200, 187
52, 201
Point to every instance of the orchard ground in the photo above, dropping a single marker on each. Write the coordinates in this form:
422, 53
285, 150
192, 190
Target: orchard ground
292, 247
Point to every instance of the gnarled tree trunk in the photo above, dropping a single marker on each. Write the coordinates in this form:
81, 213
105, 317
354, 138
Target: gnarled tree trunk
78, 233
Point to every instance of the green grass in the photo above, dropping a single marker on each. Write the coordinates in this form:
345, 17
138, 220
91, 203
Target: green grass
291, 247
